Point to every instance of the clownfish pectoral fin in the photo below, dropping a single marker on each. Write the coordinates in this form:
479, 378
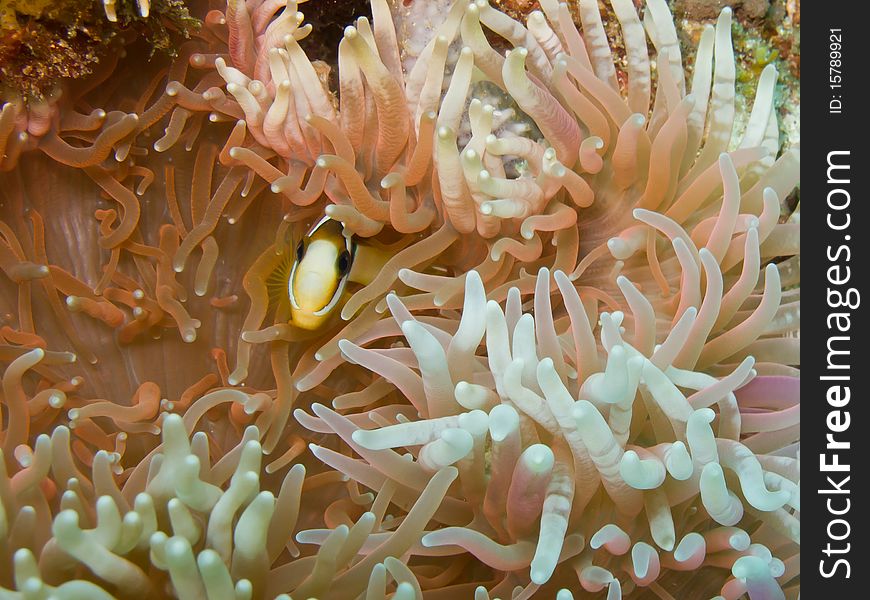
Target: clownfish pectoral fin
276, 281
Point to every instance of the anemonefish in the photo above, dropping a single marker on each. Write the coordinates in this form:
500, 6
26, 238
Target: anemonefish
326, 260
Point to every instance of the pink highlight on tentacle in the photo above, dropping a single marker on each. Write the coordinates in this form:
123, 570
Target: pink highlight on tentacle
254, 115
723, 229
340, 143
279, 30
770, 421
393, 121
752, 328
689, 554
373, 208
745, 284
351, 96
455, 197
769, 392
645, 566
504, 558
562, 217
421, 157
266, 11
485, 58
387, 462
612, 538
585, 353
241, 36
526, 251
408, 382
555, 123
528, 489
401, 218
273, 123
554, 518
319, 100
707, 313
690, 279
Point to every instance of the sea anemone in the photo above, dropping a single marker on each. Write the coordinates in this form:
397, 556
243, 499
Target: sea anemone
522, 147
561, 446
587, 379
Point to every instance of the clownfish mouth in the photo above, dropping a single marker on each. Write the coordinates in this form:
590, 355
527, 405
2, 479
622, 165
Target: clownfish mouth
319, 274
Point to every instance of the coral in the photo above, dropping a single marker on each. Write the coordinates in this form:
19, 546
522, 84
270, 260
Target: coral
708, 9
44, 44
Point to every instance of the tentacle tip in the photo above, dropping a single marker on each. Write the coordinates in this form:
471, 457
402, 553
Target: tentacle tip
540, 575
581, 409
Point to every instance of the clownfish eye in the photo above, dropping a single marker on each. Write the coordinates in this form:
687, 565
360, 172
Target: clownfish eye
343, 262
300, 250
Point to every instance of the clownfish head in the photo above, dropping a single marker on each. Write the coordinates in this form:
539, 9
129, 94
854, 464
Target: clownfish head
319, 274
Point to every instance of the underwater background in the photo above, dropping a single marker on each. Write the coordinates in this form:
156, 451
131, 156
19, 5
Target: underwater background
409, 299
